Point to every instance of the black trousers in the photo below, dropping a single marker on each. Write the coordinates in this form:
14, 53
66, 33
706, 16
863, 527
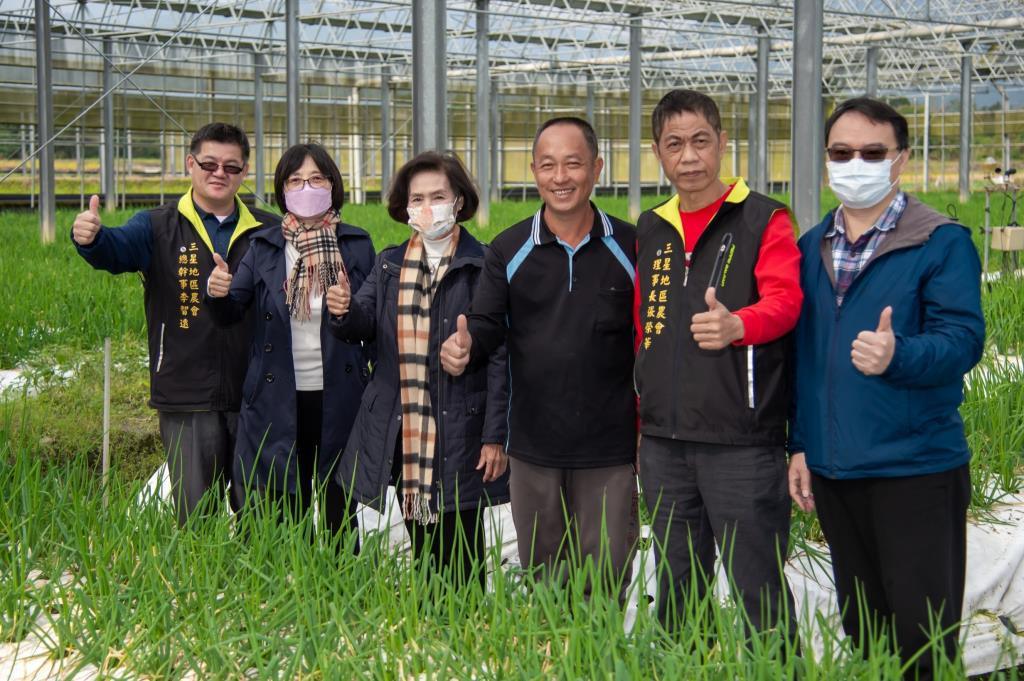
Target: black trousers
900, 545
702, 495
455, 544
337, 515
199, 447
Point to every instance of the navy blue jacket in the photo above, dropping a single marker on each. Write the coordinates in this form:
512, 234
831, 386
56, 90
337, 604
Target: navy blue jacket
905, 421
267, 422
470, 410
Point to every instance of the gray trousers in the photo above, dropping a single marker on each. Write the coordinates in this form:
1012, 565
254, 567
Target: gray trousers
701, 495
564, 515
199, 446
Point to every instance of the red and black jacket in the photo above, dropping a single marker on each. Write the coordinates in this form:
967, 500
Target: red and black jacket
738, 395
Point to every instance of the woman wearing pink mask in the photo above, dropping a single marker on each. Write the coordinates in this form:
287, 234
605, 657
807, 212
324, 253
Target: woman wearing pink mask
303, 386
439, 440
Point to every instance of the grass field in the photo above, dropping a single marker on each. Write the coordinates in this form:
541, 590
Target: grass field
122, 589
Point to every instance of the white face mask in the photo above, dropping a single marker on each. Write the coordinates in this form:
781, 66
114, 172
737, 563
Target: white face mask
859, 184
441, 220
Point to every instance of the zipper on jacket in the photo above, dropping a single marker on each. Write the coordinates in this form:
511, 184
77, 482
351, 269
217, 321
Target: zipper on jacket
750, 376
832, 386
160, 350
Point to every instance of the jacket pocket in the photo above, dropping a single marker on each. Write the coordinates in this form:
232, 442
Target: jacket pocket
614, 309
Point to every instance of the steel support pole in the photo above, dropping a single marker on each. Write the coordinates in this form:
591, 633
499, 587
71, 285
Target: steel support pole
1007, 161
257, 126
387, 145
966, 110
808, 146
636, 92
109, 135
496, 142
760, 180
483, 112
752, 139
871, 62
590, 103
926, 142
429, 76
44, 109
292, 68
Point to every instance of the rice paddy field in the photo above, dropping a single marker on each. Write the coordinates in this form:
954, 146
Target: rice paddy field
116, 590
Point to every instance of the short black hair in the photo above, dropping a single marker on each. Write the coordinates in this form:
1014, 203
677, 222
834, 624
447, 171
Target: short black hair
447, 163
589, 136
874, 110
684, 101
293, 158
225, 133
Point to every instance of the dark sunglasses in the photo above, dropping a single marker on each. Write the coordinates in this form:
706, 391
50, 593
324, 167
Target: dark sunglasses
211, 167
869, 154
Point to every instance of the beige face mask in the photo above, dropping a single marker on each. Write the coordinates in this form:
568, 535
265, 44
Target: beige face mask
436, 223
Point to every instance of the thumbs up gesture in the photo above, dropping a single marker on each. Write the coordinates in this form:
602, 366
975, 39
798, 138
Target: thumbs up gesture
716, 328
87, 223
455, 350
338, 297
219, 283
872, 350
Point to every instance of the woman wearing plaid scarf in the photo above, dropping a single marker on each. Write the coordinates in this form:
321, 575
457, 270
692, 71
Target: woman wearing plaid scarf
303, 386
438, 439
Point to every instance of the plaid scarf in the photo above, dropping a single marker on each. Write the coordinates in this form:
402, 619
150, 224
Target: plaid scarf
416, 290
319, 265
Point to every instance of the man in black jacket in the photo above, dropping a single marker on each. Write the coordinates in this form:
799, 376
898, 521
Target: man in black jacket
196, 368
557, 287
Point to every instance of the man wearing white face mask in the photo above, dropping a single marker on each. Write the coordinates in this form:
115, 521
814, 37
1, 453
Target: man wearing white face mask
891, 322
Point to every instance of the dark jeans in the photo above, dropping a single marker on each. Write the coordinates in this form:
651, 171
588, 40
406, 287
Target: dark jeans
572, 514
199, 447
900, 544
703, 495
335, 514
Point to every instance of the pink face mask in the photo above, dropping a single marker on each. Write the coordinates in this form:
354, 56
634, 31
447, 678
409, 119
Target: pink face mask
308, 202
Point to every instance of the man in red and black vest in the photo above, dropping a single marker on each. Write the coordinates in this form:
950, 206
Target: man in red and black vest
716, 297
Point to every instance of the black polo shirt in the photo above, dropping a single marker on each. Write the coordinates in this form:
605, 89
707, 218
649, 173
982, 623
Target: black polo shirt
566, 316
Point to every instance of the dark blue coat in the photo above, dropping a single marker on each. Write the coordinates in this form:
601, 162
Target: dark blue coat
470, 410
905, 421
267, 422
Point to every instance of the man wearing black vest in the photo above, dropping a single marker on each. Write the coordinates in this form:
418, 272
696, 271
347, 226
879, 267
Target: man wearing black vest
196, 368
717, 295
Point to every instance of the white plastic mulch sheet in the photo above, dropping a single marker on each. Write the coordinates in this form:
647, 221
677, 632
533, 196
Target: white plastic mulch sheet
992, 633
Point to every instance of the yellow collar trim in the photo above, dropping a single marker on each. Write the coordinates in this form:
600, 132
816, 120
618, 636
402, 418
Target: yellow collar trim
246, 220
669, 211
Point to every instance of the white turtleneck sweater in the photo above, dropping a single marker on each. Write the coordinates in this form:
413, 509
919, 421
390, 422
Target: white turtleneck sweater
436, 249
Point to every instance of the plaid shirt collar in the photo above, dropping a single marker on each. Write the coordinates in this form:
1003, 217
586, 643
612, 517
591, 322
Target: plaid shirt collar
886, 222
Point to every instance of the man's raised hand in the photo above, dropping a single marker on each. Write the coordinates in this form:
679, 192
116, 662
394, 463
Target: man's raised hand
872, 351
87, 223
220, 278
716, 328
